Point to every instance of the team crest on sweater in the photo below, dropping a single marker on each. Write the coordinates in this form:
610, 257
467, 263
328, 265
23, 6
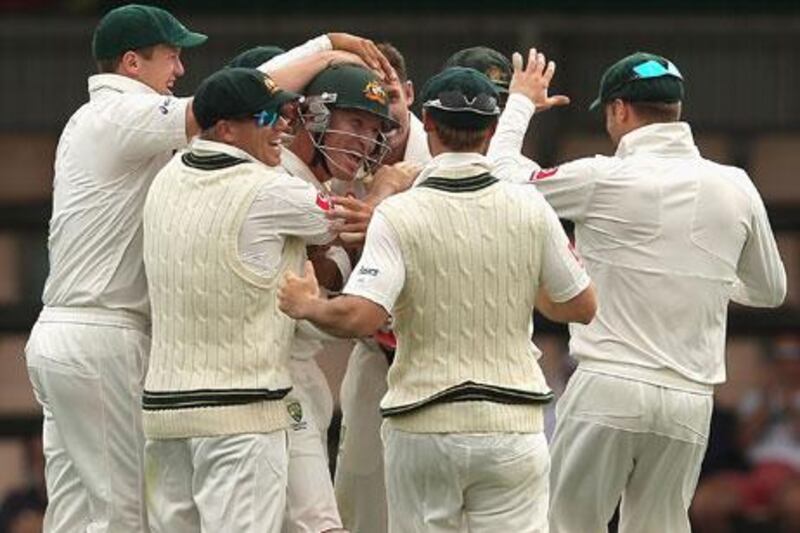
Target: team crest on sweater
296, 412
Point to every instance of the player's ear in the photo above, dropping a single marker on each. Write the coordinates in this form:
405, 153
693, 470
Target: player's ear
129, 63
224, 132
408, 87
427, 122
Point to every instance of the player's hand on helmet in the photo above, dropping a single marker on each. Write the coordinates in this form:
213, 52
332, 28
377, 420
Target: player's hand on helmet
534, 80
297, 293
366, 50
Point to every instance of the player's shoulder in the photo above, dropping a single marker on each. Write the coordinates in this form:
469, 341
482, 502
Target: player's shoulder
730, 176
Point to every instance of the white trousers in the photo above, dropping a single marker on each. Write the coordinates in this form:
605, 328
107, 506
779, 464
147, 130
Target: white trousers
87, 369
620, 438
454, 482
311, 503
215, 484
359, 482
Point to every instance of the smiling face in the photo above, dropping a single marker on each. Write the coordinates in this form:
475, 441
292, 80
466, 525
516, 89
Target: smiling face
262, 142
351, 136
158, 66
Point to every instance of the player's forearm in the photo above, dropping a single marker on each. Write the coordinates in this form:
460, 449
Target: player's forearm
511, 126
505, 147
295, 76
342, 317
308, 49
581, 308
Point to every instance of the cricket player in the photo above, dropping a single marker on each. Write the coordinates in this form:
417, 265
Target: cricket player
669, 238
221, 225
88, 352
341, 134
359, 482
459, 262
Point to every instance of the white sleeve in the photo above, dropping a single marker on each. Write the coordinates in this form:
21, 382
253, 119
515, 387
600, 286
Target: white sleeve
508, 163
309, 48
289, 206
762, 276
147, 124
380, 274
562, 273
569, 188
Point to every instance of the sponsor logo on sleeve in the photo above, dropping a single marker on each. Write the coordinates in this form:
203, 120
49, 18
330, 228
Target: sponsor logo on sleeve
324, 202
543, 173
165, 105
571, 247
367, 271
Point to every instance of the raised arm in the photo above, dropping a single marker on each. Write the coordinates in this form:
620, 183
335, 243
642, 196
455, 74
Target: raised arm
529, 93
297, 67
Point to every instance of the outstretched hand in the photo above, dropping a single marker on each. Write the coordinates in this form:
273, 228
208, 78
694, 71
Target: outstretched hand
296, 294
366, 50
534, 80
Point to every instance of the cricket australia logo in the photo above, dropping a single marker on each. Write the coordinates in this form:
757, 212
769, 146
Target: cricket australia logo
373, 91
496, 75
296, 412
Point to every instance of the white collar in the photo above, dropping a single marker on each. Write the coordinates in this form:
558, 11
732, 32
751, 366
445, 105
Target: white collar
455, 165
666, 138
119, 83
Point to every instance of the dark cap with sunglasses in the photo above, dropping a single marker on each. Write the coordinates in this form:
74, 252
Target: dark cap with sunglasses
233, 93
461, 98
641, 77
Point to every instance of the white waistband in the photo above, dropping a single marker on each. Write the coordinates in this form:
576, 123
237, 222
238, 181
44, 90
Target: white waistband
661, 377
95, 315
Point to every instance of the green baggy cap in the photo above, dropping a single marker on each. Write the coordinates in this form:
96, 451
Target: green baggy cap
237, 92
641, 77
492, 63
461, 98
136, 26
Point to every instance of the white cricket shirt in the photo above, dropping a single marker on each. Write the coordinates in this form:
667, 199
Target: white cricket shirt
668, 238
107, 156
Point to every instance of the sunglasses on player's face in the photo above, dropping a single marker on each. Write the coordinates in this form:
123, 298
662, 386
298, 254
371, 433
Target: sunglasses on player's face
267, 118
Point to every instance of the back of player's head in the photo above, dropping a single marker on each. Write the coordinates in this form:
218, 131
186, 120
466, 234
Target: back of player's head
641, 78
463, 105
